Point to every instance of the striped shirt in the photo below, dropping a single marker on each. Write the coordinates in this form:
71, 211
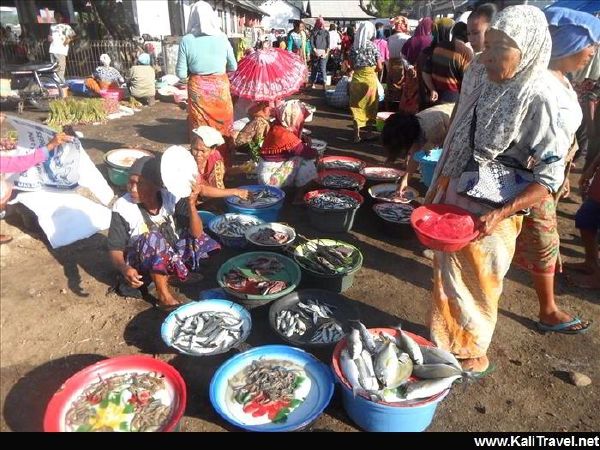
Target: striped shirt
447, 65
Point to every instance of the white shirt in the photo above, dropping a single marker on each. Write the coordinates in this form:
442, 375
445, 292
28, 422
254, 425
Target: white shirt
59, 33
395, 44
334, 39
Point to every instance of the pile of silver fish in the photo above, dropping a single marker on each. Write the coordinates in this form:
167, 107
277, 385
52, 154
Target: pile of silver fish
333, 200
380, 365
207, 331
392, 212
340, 182
381, 173
353, 166
307, 314
233, 225
268, 236
328, 259
265, 265
391, 195
258, 199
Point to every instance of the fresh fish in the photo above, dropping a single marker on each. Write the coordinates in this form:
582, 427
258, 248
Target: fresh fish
354, 344
391, 195
265, 265
327, 333
410, 346
333, 200
233, 225
268, 236
340, 182
430, 371
427, 388
392, 369
366, 374
328, 259
350, 371
259, 198
353, 166
393, 212
289, 323
237, 280
436, 355
316, 310
367, 338
207, 331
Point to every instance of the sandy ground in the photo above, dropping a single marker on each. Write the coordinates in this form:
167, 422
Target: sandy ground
57, 317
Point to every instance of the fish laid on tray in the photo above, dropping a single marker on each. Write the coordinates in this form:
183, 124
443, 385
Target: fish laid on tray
392, 212
340, 182
233, 226
271, 388
333, 200
258, 199
391, 195
328, 259
207, 330
268, 236
304, 315
381, 365
251, 279
342, 165
381, 173
122, 402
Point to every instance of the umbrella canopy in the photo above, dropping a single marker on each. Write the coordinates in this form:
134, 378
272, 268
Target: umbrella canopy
268, 75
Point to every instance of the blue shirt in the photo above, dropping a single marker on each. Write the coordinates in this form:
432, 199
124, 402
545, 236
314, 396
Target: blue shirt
205, 55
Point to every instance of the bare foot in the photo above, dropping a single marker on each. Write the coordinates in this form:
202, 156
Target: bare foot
475, 364
558, 317
590, 281
582, 267
5, 238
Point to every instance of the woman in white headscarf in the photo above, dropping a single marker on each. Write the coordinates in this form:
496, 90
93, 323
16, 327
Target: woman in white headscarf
104, 76
501, 156
365, 61
205, 57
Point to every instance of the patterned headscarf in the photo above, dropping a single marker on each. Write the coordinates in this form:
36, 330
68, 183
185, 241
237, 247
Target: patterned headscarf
105, 60
400, 24
292, 114
501, 107
203, 21
364, 34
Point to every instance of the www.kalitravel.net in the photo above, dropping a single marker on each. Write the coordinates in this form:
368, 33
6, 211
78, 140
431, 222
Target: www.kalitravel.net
538, 441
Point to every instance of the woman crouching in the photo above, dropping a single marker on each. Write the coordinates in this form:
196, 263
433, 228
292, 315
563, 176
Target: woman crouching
153, 235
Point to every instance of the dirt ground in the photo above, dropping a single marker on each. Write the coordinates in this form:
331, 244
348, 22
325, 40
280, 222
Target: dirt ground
57, 317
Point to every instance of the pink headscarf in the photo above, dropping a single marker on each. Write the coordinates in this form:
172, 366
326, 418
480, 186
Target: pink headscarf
319, 23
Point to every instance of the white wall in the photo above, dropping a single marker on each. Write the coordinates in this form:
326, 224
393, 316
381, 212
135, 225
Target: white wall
280, 13
153, 17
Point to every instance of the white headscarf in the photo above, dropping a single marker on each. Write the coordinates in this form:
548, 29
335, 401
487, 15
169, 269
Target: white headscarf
501, 107
209, 136
364, 33
203, 20
105, 59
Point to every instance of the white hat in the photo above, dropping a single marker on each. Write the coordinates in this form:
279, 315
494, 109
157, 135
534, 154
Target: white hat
209, 135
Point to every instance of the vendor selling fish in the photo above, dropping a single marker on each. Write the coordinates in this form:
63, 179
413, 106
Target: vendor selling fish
153, 235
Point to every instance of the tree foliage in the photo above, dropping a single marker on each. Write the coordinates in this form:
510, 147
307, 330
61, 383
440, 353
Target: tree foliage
386, 8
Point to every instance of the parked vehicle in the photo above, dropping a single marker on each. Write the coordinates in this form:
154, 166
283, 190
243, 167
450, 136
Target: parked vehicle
35, 84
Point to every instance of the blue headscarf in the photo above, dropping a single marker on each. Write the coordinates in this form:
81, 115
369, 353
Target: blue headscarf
380, 34
571, 31
144, 59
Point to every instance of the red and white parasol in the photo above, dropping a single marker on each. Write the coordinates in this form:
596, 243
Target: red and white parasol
268, 75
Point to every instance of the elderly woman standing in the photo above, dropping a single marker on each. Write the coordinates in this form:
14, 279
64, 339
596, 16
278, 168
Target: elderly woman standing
205, 55
104, 76
574, 37
365, 61
507, 125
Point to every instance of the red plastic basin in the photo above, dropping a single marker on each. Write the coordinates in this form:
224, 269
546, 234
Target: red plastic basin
435, 211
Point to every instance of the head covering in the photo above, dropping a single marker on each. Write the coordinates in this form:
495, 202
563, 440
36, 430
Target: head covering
380, 34
571, 31
442, 30
464, 17
319, 23
148, 167
292, 114
420, 40
105, 59
209, 136
501, 107
364, 34
203, 20
144, 59
400, 24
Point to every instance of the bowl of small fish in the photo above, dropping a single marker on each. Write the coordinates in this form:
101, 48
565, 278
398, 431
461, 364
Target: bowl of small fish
272, 235
328, 264
446, 228
265, 202
258, 278
341, 163
319, 145
340, 179
395, 218
230, 228
311, 317
381, 174
271, 388
332, 210
206, 328
386, 192
392, 380
125, 393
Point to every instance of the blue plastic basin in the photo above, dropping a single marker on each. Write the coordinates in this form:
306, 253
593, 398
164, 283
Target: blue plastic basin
428, 163
206, 217
267, 213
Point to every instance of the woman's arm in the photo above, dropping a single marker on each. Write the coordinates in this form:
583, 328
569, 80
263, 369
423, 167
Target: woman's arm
195, 224
231, 61
181, 70
433, 95
16, 164
213, 192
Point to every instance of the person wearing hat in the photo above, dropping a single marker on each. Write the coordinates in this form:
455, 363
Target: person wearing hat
154, 236
211, 167
142, 80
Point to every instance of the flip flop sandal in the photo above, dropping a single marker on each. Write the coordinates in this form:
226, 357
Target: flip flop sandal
564, 327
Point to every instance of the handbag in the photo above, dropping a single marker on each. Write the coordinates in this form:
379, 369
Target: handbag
494, 183
165, 228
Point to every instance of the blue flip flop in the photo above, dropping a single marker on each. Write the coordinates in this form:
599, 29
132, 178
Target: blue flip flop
564, 327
